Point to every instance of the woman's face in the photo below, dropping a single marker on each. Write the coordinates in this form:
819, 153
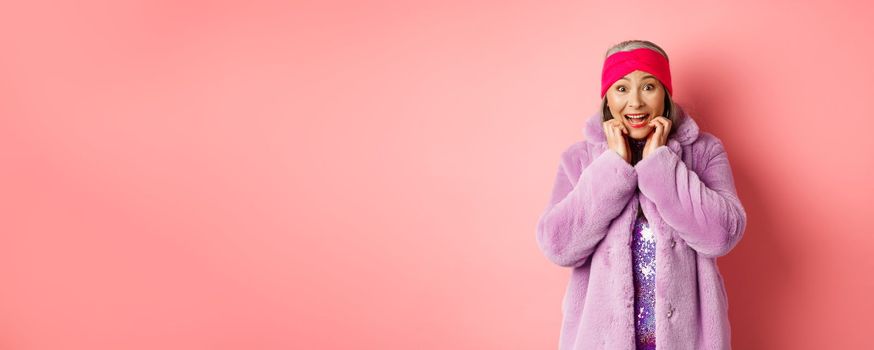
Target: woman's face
635, 94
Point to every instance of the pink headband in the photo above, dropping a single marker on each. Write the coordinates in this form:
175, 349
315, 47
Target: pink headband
621, 63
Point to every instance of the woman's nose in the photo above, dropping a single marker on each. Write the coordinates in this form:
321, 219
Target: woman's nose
634, 100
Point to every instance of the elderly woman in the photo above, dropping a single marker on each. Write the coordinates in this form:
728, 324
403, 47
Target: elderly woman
640, 211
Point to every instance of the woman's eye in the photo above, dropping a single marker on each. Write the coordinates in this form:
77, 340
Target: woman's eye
649, 87
621, 88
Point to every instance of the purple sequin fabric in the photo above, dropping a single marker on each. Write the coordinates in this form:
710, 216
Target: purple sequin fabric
643, 257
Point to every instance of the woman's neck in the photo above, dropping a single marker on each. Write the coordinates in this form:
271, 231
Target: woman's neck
636, 147
636, 142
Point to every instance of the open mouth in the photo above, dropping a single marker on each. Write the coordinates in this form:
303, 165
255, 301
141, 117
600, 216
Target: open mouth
637, 120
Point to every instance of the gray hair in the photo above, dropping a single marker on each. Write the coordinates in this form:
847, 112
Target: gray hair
628, 45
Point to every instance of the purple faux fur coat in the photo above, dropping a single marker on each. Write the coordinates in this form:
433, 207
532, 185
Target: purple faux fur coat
687, 192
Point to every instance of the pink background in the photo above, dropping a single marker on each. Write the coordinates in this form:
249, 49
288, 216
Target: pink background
327, 175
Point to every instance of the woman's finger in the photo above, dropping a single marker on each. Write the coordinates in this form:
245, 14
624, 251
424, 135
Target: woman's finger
622, 127
611, 136
658, 132
608, 130
657, 124
668, 126
662, 125
666, 129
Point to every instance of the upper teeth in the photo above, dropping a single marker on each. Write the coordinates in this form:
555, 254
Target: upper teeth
636, 116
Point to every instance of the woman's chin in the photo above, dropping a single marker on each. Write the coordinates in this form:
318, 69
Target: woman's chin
640, 134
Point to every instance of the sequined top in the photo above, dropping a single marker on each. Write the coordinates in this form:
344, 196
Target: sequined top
643, 257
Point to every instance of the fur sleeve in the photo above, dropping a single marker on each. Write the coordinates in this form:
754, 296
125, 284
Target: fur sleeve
703, 207
581, 209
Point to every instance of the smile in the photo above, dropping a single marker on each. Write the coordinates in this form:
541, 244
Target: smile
637, 120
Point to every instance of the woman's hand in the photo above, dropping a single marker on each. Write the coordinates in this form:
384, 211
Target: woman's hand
659, 136
615, 132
